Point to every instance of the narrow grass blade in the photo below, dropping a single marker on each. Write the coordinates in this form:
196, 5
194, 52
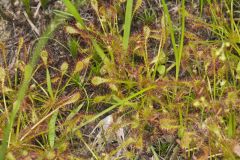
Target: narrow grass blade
26, 4
232, 125
72, 9
51, 129
201, 7
21, 93
62, 14
180, 50
49, 85
127, 24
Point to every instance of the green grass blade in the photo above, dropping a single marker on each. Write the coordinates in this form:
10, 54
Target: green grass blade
180, 50
49, 85
24, 86
51, 129
127, 24
26, 4
201, 7
62, 14
72, 9
231, 125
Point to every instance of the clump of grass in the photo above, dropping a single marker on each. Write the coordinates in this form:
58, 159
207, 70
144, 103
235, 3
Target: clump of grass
148, 17
177, 50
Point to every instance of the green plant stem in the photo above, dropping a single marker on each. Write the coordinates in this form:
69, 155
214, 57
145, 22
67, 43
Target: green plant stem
180, 50
127, 24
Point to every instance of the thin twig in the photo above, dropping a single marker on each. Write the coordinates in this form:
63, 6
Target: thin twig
37, 10
31, 24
